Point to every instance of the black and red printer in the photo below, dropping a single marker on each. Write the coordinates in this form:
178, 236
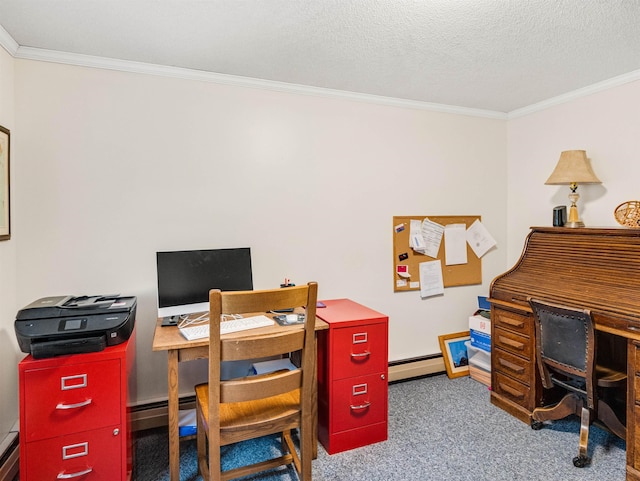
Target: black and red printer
53, 326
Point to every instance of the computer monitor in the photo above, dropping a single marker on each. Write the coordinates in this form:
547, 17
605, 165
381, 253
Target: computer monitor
186, 277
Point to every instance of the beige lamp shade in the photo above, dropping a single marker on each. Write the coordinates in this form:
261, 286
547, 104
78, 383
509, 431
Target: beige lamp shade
573, 168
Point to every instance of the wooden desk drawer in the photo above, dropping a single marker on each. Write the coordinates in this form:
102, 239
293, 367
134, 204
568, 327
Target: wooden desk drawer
635, 462
513, 390
513, 321
71, 398
514, 366
512, 342
634, 353
636, 388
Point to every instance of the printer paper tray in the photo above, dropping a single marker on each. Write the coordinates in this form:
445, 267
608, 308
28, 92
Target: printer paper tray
40, 350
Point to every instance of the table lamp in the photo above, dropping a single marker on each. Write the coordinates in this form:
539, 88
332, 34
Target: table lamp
572, 169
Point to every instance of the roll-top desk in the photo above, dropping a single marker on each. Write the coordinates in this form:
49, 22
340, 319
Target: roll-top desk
593, 268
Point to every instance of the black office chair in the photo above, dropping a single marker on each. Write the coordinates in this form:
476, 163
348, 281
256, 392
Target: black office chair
565, 354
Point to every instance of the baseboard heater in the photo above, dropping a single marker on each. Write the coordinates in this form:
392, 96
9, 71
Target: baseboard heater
154, 415
416, 367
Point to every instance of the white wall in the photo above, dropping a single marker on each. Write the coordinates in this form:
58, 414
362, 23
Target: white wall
9, 353
109, 167
115, 166
605, 124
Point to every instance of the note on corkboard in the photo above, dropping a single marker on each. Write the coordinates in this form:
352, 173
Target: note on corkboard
406, 259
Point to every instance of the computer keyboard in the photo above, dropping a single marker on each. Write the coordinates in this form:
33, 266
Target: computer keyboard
200, 331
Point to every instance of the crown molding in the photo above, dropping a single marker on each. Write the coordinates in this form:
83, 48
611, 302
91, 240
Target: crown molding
30, 53
576, 94
7, 42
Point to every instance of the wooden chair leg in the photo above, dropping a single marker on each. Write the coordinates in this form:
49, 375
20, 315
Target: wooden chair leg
570, 404
584, 431
288, 446
201, 445
610, 420
302, 461
582, 459
306, 451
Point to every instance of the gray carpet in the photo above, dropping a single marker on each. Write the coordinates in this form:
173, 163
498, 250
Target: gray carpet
439, 429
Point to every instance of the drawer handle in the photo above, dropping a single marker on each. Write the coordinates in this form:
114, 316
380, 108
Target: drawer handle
512, 322
361, 406
361, 354
510, 365
74, 406
74, 475
513, 344
513, 392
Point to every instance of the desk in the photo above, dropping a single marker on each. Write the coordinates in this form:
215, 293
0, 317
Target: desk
593, 268
178, 349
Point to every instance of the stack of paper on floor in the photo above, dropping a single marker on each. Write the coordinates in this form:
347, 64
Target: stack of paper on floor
272, 366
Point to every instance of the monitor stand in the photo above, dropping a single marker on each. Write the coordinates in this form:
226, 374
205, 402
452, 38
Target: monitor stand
170, 320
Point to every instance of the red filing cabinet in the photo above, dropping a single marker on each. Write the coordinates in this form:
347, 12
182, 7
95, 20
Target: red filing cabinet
74, 421
352, 376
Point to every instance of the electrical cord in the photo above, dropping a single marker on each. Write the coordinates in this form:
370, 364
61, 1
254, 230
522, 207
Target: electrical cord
186, 320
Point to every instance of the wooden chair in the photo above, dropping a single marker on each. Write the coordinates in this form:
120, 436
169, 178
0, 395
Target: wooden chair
255, 406
566, 353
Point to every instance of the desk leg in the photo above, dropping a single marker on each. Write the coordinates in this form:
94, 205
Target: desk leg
314, 403
173, 406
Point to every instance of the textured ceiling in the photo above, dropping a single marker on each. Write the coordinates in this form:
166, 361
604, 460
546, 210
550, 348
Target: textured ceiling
497, 55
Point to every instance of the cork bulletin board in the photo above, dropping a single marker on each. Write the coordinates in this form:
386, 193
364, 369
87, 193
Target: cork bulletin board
453, 275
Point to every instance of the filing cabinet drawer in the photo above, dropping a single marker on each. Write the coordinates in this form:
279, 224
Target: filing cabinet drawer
89, 456
359, 401
513, 390
514, 366
359, 350
513, 321
71, 398
512, 342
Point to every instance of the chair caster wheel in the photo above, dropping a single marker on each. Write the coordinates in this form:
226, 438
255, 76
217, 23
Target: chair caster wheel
537, 425
580, 461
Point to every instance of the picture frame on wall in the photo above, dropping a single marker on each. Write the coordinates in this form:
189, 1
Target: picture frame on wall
5, 197
454, 353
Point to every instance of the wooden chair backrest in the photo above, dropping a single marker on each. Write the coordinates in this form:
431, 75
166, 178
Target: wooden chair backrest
280, 342
565, 343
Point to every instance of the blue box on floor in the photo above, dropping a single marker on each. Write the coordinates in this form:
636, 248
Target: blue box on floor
186, 422
480, 332
480, 340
